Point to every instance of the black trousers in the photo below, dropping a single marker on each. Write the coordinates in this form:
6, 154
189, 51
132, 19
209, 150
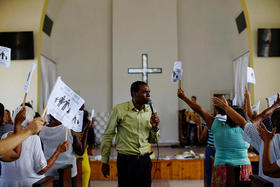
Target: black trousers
134, 171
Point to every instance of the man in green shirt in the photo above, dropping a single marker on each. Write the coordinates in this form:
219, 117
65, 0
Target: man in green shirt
136, 128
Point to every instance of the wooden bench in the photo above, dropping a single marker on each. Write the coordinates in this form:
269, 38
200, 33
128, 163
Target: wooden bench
257, 181
44, 182
65, 176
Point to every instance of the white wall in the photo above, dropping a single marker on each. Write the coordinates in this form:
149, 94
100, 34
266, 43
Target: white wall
147, 26
95, 42
18, 15
208, 42
80, 44
264, 14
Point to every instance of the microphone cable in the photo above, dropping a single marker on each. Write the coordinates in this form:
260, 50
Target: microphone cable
156, 164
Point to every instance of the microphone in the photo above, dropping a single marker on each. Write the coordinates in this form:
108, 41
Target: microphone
151, 106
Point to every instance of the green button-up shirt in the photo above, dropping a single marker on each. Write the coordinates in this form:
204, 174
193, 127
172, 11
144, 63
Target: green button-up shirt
134, 131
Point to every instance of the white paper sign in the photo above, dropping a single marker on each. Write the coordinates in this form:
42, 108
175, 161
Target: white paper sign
234, 101
77, 121
256, 106
28, 81
177, 71
272, 100
92, 114
64, 103
5, 56
251, 75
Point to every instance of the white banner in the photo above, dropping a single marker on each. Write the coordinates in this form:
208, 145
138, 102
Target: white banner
271, 100
48, 78
251, 75
177, 71
64, 103
256, 106
5, 56
28, 81
77, 121
92, 114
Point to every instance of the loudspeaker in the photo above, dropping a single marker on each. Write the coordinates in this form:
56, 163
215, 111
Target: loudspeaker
48, 23
241, 22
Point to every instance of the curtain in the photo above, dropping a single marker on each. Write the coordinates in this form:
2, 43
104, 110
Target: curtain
240, 77
48, 78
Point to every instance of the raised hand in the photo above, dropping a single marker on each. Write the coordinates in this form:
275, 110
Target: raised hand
181, 93
21, 116
277, 100
91, 122
221, 103
36, 125
154, 120
246, 93
63, 146
264, 133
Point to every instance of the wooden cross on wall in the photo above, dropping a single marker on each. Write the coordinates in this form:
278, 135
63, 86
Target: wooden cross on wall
145, 70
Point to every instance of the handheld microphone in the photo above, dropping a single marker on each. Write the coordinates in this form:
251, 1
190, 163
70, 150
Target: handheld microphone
151, 106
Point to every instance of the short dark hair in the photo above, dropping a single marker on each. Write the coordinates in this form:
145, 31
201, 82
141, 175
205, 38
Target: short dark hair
27, 104
194, 97
136, 86
275, 119
2, 109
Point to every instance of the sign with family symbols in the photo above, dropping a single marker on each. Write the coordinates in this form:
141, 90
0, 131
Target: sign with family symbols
77, 121
5, 56
28, 81
177, 71
64, 103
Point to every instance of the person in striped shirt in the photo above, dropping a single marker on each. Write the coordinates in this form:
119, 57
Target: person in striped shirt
204, 135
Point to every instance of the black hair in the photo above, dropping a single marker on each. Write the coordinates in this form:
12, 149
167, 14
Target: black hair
2, 109
37, 115
27, 104
275, 119
91, 140
220, 111
135, 87
240, 111
229, 100
194, 97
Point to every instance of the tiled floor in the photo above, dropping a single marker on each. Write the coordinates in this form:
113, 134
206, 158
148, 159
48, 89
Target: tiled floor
156, 183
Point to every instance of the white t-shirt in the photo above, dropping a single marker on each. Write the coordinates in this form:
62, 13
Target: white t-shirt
251, 135
51, 137
23, 172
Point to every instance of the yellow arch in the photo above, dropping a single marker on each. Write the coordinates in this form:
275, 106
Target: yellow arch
46, 3
250, 41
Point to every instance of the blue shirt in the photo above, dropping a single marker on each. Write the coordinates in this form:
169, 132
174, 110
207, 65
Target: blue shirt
5, 127
230, 145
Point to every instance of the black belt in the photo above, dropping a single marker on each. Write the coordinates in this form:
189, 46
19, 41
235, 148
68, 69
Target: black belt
135, 156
